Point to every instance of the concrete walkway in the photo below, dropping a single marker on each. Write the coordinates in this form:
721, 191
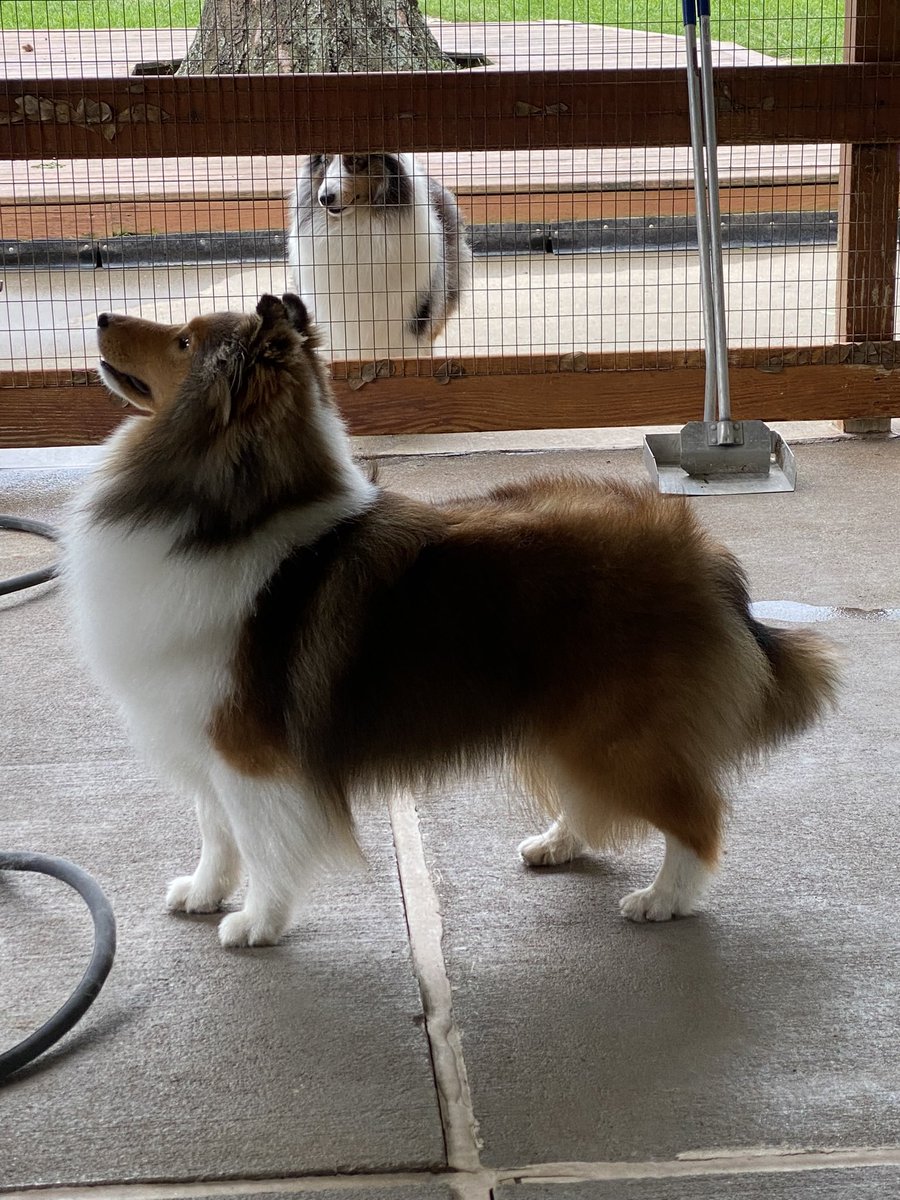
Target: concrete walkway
542, 304
449, 1024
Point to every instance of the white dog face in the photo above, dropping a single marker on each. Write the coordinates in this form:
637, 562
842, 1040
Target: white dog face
348, 179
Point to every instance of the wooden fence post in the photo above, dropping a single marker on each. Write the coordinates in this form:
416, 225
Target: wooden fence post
869, 198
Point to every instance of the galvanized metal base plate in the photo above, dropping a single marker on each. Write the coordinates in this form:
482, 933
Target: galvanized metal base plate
726, 447
663, 456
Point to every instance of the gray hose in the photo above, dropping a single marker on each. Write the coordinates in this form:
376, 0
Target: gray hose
98, 968
19, 582
104, 950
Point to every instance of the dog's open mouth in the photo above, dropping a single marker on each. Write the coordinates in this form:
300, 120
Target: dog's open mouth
123, 379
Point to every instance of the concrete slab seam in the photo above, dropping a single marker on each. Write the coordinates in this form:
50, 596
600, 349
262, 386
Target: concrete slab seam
426, 929
306, 1185
691, 1164
472, 1186
478, 1185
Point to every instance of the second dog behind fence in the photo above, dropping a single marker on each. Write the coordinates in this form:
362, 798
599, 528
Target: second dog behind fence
378, 252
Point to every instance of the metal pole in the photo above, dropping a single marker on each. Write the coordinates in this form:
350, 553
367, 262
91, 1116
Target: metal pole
715, 222
689, 9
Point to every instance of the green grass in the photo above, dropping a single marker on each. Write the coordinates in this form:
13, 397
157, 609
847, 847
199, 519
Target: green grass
98, 14
805, 30
810, 30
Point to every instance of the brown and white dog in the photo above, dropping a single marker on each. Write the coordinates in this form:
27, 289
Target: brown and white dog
284, 637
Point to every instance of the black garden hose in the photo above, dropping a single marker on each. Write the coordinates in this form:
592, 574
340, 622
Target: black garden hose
98, 968
19, 582
104, 950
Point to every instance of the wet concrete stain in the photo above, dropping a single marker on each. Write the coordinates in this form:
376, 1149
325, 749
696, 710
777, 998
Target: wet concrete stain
807, 614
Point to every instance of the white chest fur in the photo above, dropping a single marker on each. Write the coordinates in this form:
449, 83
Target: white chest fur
362, 274
159, 625
159, 629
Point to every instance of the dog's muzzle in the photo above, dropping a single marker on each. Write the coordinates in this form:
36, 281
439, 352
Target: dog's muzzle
331, 202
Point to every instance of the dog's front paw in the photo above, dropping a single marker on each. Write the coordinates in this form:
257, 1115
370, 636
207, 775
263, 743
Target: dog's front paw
245, 928
185, 895
650, 904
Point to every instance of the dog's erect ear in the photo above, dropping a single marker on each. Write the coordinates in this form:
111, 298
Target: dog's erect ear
271, 310
289, 308
296, 312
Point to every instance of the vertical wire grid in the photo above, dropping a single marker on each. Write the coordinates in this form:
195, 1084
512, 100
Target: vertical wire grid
612, 264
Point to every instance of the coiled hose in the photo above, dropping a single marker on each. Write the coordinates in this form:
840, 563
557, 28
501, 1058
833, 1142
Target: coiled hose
98, 968
19, 582
101, 912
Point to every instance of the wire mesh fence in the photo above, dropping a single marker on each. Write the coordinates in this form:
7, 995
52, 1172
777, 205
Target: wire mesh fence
562, 251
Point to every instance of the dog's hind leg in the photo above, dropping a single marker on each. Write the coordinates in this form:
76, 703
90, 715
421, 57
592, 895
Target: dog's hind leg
687, 807
556, 845
674, 892
218, 872
285, 835
606, 795
560, 784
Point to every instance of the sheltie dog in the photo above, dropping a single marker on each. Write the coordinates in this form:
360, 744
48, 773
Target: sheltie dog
377, 251
285, 637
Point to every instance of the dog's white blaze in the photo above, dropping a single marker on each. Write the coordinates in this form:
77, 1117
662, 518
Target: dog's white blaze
337, 180
360, 278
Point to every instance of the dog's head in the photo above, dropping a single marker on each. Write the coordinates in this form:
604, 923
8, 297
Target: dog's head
241, 414
220, 360
341, 181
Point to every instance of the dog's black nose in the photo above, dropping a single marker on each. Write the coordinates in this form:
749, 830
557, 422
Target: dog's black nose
328, 199
103, 320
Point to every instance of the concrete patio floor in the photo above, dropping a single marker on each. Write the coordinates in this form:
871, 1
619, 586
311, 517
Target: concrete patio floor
525, 304
449, 1023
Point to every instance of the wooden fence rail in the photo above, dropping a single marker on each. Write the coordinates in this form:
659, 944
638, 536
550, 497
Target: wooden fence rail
290, 114
857, 103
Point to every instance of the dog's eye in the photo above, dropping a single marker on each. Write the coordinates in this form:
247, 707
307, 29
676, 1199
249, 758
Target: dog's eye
184, 343
358, 163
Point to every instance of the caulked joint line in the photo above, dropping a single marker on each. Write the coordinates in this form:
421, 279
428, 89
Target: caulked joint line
477, 1184
425, 927
695, 1163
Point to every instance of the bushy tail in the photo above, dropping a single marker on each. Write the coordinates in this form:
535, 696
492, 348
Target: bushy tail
806, 676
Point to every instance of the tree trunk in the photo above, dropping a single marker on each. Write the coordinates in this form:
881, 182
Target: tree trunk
239, 37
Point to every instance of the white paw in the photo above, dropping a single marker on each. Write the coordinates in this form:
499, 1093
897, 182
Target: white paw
244, 928
549, 849
185, 896
648, 904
